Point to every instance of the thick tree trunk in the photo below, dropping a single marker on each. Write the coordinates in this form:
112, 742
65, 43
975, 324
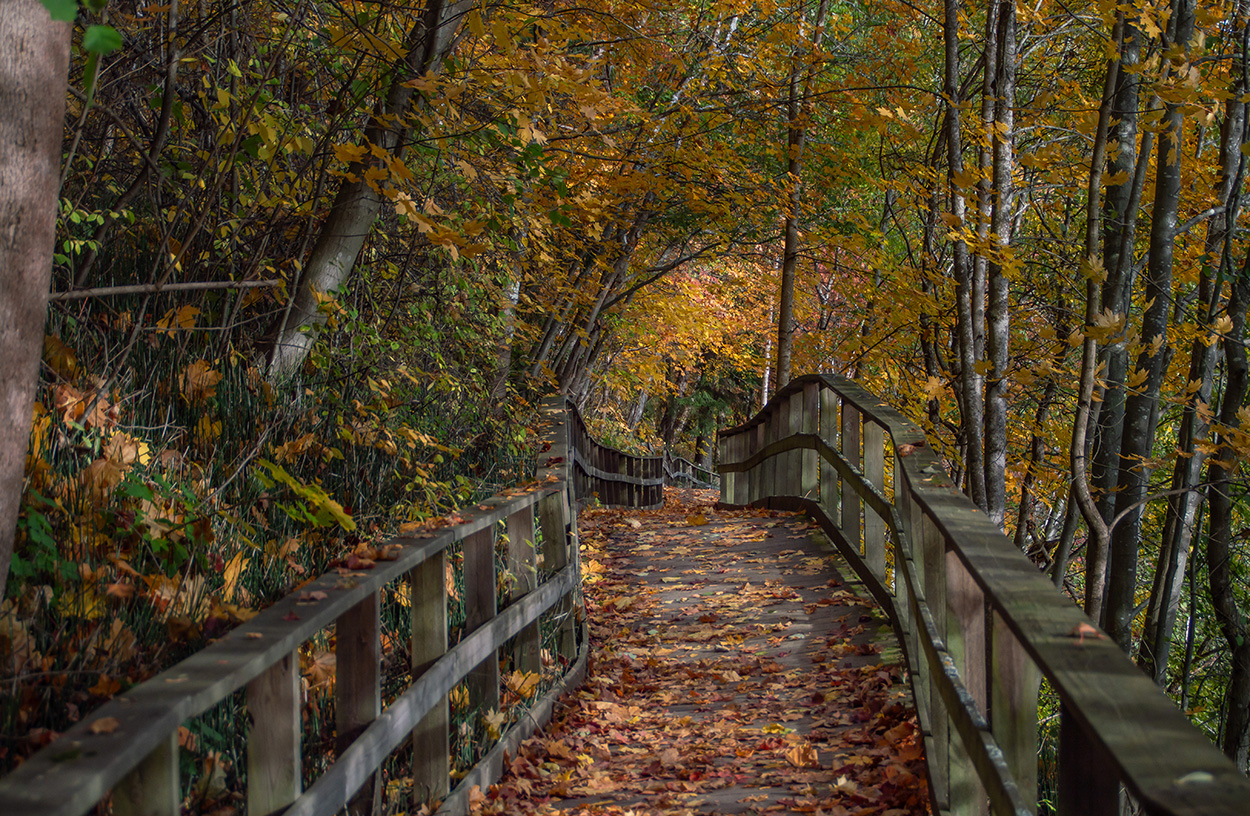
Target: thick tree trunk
1141, 407
34, 64
357, 205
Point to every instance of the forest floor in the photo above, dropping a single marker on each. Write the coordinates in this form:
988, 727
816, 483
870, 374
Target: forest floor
737, 666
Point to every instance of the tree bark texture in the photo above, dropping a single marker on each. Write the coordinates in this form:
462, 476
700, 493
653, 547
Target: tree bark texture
34, 64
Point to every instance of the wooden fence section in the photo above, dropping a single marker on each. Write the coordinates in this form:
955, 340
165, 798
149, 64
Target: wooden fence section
616, 479
129, 746
681, 471
980, 625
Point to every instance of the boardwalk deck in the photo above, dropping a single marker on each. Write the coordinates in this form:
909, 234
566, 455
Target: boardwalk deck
737, 667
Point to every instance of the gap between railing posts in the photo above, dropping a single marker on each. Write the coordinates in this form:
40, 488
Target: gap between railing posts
980, 626
128, 748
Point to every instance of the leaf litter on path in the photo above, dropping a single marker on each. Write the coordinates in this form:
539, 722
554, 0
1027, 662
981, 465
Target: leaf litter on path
736, 667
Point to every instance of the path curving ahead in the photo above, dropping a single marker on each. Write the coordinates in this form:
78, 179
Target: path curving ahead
737, 667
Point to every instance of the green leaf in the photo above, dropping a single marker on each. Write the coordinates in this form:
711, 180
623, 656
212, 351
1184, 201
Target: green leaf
63, 11
101, 39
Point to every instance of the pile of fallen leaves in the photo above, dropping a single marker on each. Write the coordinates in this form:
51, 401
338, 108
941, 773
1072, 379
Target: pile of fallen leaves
735, 668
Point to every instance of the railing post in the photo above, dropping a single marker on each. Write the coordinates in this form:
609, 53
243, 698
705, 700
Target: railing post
789, 421
1013, 706
151, 789
357, 685
728, 481
274, 776
809, 423
829, 433
850, 499
522, 564
874, 472
965, 642
1089, 784
431, 743
759, 473
770, 464
479, 610
931, 562
552, 518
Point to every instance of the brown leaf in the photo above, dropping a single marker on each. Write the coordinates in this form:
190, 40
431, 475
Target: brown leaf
104, 725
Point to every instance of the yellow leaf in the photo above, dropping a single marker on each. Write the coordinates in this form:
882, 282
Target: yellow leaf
183, 318
350, 154
124, 449
59, 357
231, 574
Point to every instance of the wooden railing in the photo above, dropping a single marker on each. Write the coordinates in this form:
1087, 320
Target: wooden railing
683, 472
129, 746
980, 625
616, 479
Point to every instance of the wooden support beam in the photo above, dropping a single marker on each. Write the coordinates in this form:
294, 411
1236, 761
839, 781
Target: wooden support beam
479, 609
152, 788
1014, 688
274, 767
523, 564
849, 445
874, 472
358, 687
431, 739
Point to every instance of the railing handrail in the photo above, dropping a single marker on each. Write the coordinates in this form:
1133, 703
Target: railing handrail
129, 745
974, 681
688, 471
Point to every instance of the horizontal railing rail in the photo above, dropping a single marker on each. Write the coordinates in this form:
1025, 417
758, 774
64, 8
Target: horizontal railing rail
129, 746
980, 626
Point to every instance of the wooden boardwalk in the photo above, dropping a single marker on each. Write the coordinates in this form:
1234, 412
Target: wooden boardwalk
737, 667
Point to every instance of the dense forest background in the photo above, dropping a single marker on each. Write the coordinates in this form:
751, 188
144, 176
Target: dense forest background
316, 259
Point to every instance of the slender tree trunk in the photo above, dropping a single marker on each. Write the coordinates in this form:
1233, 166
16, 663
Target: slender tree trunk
798, 108
34, 64
998, 312
1182, 508
357, 204
1119, 224
1141, 407
1224, 584
1078, 454
970, 380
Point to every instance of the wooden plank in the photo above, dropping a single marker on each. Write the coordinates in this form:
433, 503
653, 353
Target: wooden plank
932, 558
523, 564
828, 431
848, 443
273, 740
552, 515
431, 737
874, 472
479, 610
1014, 688
809, 482
965, 642
759, 476
152, 788
358, 686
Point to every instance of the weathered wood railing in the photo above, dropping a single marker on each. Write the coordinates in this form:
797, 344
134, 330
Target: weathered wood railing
616, 479
979, 624
130, 745
681, 471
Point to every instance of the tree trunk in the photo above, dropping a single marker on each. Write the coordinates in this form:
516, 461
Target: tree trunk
1078, 454
1222, 530
797, 110
357, 205
1141, 407
34, 64
970, 381
1182, 508
998, 314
